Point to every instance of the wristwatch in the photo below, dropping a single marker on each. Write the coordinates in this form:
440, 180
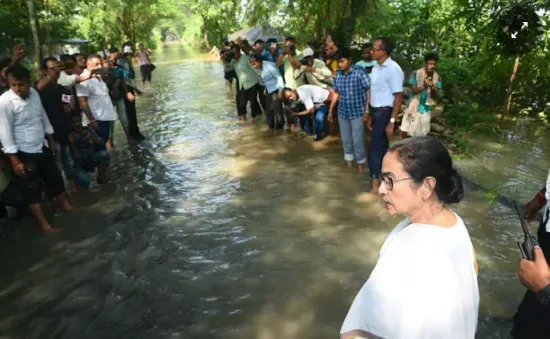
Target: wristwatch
543, 296
392, 120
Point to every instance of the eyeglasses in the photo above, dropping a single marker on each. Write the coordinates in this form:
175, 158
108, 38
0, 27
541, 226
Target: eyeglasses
389, 181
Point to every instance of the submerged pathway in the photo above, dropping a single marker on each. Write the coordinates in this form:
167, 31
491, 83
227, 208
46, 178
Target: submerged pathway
212, 228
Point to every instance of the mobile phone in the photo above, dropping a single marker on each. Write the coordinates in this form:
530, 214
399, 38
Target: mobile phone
101, 71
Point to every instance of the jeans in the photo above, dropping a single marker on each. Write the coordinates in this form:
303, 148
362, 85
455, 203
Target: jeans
306, 124
120, 108
379, 143
274, 112
104, 130
82, 177
320, 117
352, 132
262, 97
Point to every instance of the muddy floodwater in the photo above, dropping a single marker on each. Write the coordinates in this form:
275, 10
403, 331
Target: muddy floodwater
212, 229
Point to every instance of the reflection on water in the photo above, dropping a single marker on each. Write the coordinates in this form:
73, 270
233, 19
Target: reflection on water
212, 228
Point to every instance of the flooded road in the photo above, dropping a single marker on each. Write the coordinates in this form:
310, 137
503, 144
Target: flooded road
214, 229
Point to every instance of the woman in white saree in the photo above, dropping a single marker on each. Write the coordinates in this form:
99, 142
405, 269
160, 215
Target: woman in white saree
424, 285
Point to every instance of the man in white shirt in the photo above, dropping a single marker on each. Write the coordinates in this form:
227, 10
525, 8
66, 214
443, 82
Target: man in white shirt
385, 98
316, 101
97, 108
23, 125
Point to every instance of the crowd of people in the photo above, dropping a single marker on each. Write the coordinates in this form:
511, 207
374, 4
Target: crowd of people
424, 284
322, 85
63, 124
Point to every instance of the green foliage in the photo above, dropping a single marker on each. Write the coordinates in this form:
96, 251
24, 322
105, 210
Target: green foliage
491, 195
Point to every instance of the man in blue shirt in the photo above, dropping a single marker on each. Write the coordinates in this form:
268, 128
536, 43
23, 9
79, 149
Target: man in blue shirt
273, 83
386, 95
351, 84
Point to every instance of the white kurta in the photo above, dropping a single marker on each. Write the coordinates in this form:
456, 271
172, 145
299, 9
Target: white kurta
424, 286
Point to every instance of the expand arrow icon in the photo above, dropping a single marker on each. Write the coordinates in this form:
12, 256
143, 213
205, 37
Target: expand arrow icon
525, 24
514, 35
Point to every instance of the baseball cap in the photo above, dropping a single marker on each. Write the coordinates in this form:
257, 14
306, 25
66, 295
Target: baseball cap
307, 52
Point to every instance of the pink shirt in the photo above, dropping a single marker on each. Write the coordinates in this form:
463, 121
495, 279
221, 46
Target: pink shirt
143, 58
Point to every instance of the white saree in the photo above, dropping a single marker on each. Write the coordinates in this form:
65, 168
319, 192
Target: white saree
424, 286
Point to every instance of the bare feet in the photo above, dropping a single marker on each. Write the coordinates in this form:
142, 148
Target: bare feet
253, 119
74, 187
49, 229
360, 168
293, 128
66, 207
350, 164
243, 118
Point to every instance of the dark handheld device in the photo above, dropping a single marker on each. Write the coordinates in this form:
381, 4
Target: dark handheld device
102, 71
430, 75
527, 247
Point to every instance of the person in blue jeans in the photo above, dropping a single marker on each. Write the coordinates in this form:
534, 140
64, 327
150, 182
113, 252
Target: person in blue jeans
88, 152
351, 85
315, 99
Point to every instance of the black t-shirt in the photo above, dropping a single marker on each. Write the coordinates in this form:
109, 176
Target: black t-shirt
51, 98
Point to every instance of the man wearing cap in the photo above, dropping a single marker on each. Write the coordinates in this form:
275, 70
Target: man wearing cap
386, 96
291, 60
316, 71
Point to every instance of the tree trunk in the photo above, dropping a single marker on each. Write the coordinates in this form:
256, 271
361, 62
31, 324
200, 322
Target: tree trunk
105, 27
35, 36
48, 28
508, 100
205, 31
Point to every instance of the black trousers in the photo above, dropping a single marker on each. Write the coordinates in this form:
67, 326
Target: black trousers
532, 319
244, 96
131, 113
274, 111
262, 97
41, 168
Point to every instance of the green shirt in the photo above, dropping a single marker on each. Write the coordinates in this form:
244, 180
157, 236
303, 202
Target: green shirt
422, 107
246, 73
290, 81
365, 64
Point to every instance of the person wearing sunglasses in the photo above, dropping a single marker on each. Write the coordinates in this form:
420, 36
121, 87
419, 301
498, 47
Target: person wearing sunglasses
424, 284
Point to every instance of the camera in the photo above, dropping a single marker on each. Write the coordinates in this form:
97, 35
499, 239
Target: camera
292, 49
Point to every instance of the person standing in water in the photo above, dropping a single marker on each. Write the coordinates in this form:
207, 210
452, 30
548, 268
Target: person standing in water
424, 285
143, 56
351, 85
386, 95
